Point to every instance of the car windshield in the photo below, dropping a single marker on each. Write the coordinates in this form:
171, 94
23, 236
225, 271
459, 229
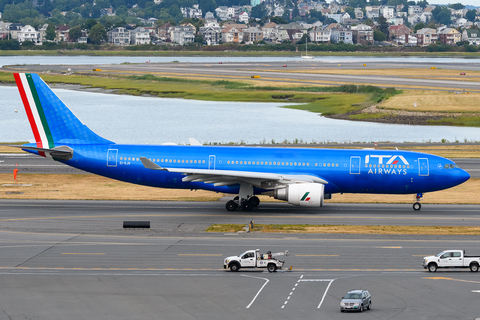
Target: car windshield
438, 255
353, 296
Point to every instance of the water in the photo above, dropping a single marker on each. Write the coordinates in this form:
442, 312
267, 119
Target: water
145, 120
79, 60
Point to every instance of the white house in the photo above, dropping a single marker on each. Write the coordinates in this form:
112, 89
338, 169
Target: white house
387, 11
27, 33
182, 34
139, 35
119, 36
243, 17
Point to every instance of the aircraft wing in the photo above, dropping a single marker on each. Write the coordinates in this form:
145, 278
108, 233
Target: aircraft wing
231, 177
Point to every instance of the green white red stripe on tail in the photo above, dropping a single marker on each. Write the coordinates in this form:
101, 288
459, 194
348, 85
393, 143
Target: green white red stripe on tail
34, 110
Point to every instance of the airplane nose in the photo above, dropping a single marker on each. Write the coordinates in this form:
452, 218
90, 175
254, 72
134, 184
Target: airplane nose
463, 176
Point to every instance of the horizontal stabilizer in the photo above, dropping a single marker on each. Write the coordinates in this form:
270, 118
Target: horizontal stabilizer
60, 152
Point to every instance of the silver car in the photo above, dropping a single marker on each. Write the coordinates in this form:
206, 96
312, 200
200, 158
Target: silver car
356, 300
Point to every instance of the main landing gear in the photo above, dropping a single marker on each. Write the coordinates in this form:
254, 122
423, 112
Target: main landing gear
245, 199
417, 206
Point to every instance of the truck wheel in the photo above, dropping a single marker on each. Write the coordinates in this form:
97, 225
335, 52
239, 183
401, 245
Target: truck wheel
474, 267
361, 308
370, 306
271, 267
432, 267
234, 267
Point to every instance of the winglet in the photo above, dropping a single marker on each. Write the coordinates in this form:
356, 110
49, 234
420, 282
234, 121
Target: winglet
150, 165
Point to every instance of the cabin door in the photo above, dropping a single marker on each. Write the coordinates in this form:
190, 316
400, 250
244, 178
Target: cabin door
354, 165
211, 162
112, 157
423, 167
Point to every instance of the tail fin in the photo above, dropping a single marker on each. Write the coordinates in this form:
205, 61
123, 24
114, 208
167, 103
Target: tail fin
52, 122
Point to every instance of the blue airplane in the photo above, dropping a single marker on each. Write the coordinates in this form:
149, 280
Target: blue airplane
300, 176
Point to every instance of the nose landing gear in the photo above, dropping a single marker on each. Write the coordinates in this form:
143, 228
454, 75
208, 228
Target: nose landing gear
419, 197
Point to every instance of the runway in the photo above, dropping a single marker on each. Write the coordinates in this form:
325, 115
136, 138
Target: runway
73, 260
278, 72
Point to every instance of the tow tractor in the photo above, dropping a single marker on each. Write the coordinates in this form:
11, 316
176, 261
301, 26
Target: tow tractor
255, 259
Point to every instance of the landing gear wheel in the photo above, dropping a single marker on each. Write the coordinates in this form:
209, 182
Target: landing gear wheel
254, 201
271, 267
247, 206
474, 267
417, 206
231, 205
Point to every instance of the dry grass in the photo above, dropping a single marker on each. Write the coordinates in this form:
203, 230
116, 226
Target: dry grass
354, 229
429, 101
92, 187
4, 149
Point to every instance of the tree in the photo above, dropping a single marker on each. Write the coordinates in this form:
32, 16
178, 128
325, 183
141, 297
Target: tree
456, 6
50, 32
89, 24
278, 20
97, 34
379, 35
383, 25
419, 26
74, 33
259, 11
350, 11
199, 39
470, 15
368, 22
442, 15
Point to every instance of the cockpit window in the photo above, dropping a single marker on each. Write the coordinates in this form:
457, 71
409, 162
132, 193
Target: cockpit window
446, 166
451, 166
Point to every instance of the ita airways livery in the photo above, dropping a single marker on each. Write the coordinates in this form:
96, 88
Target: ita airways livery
302, 177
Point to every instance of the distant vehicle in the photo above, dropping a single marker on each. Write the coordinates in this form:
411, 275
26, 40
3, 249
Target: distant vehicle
356, 300
255, 259
451, 259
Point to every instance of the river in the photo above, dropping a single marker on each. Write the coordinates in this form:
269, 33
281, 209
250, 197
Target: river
148, 120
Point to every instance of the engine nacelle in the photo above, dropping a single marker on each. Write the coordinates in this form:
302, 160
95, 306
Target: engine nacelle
302, 194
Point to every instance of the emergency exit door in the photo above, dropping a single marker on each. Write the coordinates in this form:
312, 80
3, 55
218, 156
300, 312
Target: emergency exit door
423, 167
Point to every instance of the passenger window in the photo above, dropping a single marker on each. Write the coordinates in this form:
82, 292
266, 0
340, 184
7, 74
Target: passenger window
456, 254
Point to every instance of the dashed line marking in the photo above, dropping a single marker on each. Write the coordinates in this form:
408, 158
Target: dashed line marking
317, 255
84, 253
389, 247
291, 292
201, 254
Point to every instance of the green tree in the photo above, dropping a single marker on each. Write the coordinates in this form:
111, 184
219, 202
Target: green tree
89, 24
199, 39
470, 15
419, 26
456, 6
368, 22
383, 25
350, 11
15, 12
259, 11
74, 33
50, 32
278, 20
379, 35
97, 34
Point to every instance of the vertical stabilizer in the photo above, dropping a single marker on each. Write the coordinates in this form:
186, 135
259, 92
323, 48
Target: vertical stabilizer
52, 122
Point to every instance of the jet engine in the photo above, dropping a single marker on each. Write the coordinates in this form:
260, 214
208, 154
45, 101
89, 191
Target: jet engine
301, 194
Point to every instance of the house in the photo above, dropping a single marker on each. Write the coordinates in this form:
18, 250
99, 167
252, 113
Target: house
373, 14
362, 34
252, 35
398, 31
14, 28
358, 13
164, 31
222, 13
212, 34
270, 31
342, 35
294, 35
243, 17
27, 33
119, 36
193, 12
278, 11
462, 22
232, 35
387, 12
426, 17
182, 34
339, 17
139, 35
449, 36
414, 10
414, 19
395, 21
61, 33
426, 37
319, 34
472, 36
4, 30
209, 16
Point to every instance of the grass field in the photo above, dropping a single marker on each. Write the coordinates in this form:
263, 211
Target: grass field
428, 101
93, 187
347, 229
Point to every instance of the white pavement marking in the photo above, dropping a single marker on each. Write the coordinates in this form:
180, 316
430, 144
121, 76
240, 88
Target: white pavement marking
291, 292
477, 291
266, 281
323, 298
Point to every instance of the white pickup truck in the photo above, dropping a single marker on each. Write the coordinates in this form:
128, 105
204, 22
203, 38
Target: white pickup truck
451, 259
255, 259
